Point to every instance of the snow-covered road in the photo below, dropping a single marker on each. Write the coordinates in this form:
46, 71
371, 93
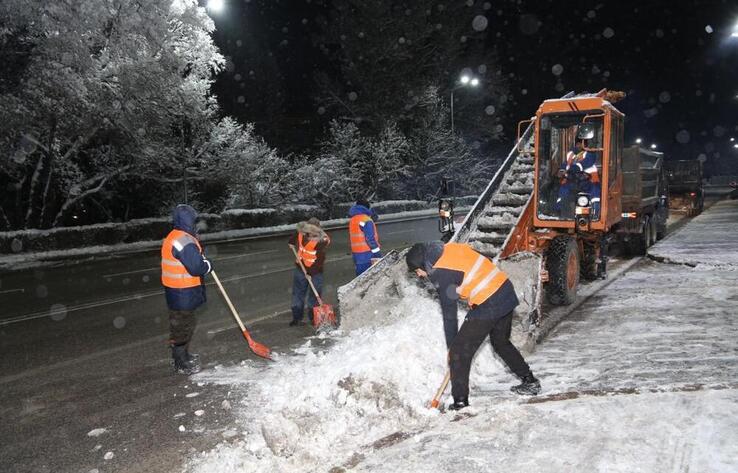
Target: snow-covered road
644, 377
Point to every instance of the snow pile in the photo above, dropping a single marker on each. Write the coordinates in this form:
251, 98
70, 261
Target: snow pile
327, 406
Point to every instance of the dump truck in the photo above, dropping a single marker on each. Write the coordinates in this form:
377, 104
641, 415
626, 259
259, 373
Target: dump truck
546, 217
645, 208
685, 186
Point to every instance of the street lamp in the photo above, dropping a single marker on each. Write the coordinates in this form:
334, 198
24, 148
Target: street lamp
464, 81
638, 141
215, 6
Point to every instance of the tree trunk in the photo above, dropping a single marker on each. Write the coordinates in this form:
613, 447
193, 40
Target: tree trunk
4, 222
33, 192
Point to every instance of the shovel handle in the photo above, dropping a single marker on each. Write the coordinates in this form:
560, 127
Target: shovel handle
437, 398
307, 276
230, 305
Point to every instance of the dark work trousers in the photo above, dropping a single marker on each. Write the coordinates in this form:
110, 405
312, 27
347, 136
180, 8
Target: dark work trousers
300, 288
182, 325
466, 343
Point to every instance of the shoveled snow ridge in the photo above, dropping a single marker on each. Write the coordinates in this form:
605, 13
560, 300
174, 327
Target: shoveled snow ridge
708, 241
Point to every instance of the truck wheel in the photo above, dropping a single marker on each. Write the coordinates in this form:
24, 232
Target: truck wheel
562, 261
653, 232
640, 243
588, 270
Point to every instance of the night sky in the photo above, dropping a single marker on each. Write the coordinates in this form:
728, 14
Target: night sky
676, 60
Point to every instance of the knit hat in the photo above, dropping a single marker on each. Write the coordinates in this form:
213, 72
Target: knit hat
415, 258
363, 202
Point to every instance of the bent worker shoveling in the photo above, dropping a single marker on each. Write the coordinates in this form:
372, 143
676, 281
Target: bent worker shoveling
459, 272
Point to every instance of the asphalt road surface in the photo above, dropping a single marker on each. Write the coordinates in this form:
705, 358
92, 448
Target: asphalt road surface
83, 347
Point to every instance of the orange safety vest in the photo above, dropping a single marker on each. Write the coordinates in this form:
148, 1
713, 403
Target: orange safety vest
482, 278
572, 158
173, 273
307, 253
357, 239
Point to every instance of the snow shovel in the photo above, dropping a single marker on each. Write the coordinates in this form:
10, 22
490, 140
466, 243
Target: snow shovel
436, 402
322, 313
258, 348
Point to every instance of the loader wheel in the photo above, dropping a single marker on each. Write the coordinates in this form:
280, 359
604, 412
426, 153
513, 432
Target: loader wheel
562, 261
588, 270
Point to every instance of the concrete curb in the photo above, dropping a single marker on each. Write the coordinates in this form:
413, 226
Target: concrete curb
555, 315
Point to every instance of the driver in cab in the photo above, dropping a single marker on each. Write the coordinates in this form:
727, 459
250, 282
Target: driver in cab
578, 173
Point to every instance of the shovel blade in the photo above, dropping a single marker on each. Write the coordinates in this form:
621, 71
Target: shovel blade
324, 315
258, 348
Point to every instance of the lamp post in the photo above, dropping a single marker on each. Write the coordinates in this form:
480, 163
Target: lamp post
464, 81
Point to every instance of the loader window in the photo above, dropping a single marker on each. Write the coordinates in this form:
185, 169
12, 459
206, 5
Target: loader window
616, 148
565, 169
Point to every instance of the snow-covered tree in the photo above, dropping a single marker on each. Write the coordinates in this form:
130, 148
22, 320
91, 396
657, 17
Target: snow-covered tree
438, 153
253, 174
101, 89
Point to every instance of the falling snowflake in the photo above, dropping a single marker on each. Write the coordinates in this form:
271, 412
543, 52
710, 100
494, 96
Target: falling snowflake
480, 23
463, 39
557, 69
401, 40
321, 110
119, 322
659, 33
487, 5
591, 14
709, 29
41, 291
664, 97
58, 312
683, 137
524, 91
608, 32
529, 24
482, 69
718, 131
352, 96
241, 99
489, 109
651, 112
16, 246
469, 3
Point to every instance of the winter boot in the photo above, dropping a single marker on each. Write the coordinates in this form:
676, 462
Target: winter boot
181, 364
529, 387
458, 404
193, 358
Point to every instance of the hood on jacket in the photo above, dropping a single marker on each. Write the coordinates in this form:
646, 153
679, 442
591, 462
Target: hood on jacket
184, 217
357, 209
313, 231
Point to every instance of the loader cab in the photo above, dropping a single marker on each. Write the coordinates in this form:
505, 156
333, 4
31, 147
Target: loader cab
578, 157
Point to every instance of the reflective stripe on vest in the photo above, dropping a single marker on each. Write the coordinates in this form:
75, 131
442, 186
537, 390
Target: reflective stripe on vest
357, 239
481, 277
173, 273
307, 253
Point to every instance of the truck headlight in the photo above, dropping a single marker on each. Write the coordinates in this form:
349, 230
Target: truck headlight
582, 201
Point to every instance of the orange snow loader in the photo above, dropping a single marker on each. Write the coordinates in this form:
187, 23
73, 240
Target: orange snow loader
568, 220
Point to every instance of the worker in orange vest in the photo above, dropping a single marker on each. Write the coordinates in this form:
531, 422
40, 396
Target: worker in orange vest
310, 242
183, 266
363, 236
459, 272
